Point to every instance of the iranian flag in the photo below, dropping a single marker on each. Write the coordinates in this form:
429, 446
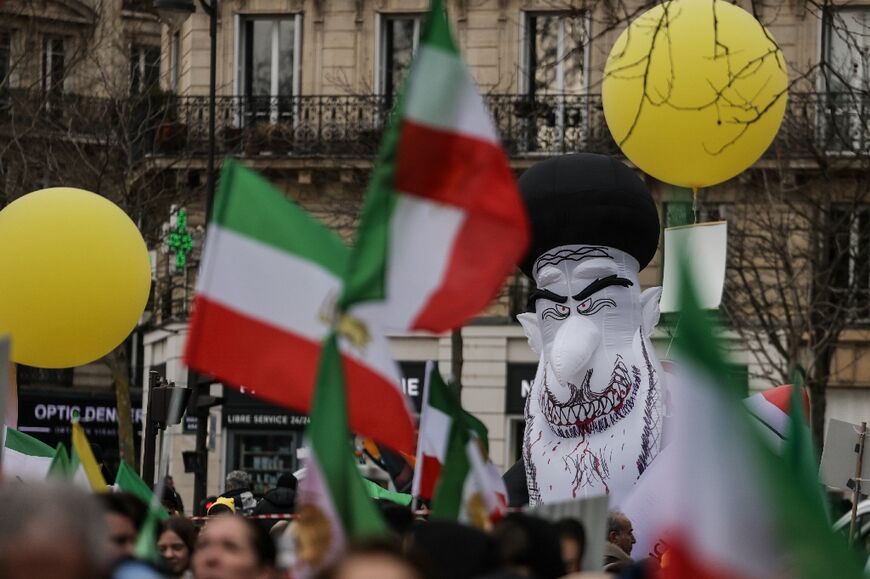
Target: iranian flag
333, 504
452, 463
25, 458
728, 505
443, 224
266, 294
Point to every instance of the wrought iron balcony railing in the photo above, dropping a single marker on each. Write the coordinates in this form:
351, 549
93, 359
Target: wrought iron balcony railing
351, 126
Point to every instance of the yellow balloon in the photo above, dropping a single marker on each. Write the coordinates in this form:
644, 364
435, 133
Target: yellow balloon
74, 277
694, 91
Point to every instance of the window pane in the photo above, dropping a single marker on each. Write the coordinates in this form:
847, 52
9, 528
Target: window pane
398, 50
260, 69
5, 58
53, 63
152, 66
286, 42
556, 44
574, 41
849, 39
544, 61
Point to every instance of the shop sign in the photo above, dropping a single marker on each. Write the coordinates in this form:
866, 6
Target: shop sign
520, 376
46, 415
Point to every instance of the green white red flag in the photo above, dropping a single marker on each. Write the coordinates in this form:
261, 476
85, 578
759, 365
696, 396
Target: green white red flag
265, 302
727, 505
333, 504
443, 224
25, 458
453, 467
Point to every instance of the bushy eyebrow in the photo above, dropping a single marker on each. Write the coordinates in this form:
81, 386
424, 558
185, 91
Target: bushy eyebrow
600, 284
545, 294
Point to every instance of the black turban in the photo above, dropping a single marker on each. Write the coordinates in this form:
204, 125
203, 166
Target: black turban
586, 199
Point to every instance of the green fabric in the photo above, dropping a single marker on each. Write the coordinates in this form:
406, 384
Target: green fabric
26, 444
448, 500
249, 205
790, 479
367, 271
146, 544
61, 468
376, 491
128, 481
329, 439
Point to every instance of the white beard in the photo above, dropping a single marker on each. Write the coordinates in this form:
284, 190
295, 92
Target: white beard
599, 442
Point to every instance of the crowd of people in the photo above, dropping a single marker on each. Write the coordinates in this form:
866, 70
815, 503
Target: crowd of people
57, 531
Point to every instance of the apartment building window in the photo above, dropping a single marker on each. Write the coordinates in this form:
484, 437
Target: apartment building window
174, 61
556, 53
5, 59
144, 68
53, 64
847, 54
270, 65
554, 110
849, 254
399, 36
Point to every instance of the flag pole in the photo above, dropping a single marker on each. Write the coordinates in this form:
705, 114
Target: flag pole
856, 488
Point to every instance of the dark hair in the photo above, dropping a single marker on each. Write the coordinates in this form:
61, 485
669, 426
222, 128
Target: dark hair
125, 505
399, 517
381, 547
181, 527
287, 480
572, 529
262, 543
528, 541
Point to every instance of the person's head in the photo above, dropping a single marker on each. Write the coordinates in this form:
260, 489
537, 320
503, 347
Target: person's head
170, 501
399, 517
287, 481
620, 531
454, 550
377, 559
529, 545
176, 543
50, 531
238, 480
170, 484
222, 506
233, 547
124, 515
572, 538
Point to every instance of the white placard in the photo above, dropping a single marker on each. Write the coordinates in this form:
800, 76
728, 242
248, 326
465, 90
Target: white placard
706, 246
840, 456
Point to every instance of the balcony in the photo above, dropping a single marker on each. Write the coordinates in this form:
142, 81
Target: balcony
350, 126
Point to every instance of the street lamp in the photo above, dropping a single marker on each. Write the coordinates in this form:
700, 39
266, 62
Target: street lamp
174, 13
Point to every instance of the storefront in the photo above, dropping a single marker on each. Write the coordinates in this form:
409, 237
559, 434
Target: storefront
261, 439
520, 376
47, 413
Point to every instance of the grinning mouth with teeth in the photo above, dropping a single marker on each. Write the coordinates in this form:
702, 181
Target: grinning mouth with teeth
586, 411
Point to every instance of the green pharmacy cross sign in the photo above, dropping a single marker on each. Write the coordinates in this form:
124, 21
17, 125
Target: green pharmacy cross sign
180, 241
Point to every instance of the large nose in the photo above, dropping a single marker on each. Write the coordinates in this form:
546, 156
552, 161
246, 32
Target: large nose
576, 340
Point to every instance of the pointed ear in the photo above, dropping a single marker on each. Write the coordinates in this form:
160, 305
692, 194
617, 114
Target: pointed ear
529, 322
649, 303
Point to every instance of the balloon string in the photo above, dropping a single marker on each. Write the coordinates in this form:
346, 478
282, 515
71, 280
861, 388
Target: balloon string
695, 204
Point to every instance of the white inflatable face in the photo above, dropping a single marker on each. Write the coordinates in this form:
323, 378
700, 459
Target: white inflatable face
593, 416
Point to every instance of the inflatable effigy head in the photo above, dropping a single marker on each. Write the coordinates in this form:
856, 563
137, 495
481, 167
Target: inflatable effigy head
593, 416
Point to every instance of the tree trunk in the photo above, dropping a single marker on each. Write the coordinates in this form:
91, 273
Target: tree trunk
817, 383
116, 363
456, 359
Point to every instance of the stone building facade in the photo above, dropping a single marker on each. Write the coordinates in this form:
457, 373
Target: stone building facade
304, 88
